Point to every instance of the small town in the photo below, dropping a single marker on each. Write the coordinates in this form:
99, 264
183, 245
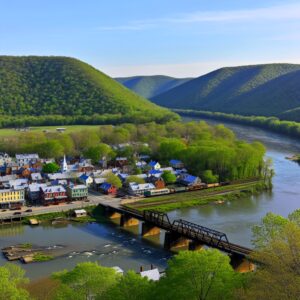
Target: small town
149, 150
25, 181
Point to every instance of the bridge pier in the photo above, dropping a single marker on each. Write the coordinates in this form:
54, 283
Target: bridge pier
113, 215
241, 264
149, 229
174, 240
195, 246
128, 221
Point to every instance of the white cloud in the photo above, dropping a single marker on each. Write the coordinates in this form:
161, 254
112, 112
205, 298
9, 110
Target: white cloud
272, 13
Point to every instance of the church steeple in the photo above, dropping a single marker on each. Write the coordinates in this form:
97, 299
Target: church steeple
64, 166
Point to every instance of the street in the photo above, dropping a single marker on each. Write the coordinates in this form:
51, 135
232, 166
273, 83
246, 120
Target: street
94, 198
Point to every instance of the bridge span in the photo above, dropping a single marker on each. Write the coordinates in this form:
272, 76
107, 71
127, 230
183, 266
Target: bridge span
180, 233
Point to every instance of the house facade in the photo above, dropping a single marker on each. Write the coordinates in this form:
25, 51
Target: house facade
34, 192
97, 183
154, 165
86, 179
26, 159
108, 188
12, 198
189, 180
77, 192
159, 183
53, 194
4, 158
140, 189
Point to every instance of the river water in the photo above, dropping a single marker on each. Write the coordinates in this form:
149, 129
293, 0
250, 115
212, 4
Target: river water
112, 246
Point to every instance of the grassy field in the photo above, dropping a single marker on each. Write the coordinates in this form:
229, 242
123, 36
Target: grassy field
187, 199
69, 128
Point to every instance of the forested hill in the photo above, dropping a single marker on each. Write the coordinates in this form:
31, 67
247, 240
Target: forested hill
150, 86
267, 90
43, 86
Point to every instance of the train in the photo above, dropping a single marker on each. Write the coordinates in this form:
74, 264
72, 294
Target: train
180, 189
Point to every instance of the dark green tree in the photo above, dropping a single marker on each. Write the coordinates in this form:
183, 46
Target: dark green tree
50, 168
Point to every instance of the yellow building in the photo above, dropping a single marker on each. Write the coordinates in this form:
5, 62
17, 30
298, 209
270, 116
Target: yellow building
12, 198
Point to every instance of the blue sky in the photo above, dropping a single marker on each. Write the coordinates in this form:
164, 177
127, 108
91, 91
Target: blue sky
136, 37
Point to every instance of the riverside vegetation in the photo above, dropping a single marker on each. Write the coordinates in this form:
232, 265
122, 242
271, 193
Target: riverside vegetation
206, 151
274, 124
190, 275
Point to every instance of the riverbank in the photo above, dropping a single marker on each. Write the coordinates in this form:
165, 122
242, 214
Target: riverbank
269, 123
94, 214
295, 158
216, 195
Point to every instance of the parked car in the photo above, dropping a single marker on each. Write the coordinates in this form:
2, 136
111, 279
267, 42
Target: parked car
17, 213
4, 209
28, 210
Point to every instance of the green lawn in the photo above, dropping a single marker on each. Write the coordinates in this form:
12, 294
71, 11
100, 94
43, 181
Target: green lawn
69, 128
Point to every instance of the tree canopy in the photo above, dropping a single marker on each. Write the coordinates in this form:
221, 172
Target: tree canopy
12, 279
198, 275
168, 177
50, 168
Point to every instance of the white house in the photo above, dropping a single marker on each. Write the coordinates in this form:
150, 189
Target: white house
36, 176
151, 274
86, 179
4, 158
140, 189
26, 159
154, 165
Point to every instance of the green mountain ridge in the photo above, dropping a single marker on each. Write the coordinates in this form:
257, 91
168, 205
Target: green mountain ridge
53, 85
268, 90
150, 86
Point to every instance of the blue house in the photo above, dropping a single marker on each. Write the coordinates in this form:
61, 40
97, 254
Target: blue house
189, 180
85, 179
156, 173
108, 188
154, 165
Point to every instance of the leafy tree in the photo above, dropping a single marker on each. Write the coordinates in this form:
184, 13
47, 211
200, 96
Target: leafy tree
130, 287
85, 139
295, 217
114, 180
209, 177
170, 148
270, 226
278, 274
98, 152
51, 148
168, 177
198, 275
85, 281
50, 168
12, 281
135, 179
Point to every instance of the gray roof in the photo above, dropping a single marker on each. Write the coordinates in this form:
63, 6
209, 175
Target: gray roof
53, 189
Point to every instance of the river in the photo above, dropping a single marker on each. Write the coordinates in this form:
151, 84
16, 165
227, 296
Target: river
112, 246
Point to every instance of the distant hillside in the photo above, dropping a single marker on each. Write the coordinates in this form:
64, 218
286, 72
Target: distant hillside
150, 86
269, 90
43, 86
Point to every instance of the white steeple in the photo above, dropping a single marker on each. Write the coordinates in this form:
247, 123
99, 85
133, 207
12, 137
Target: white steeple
64, 167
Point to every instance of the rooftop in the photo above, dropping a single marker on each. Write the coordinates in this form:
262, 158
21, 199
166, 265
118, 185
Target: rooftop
53, 189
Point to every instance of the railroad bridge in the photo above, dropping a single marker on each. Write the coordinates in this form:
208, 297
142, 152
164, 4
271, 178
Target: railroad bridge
181, 233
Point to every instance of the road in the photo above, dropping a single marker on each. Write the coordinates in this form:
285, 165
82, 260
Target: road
94, 198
